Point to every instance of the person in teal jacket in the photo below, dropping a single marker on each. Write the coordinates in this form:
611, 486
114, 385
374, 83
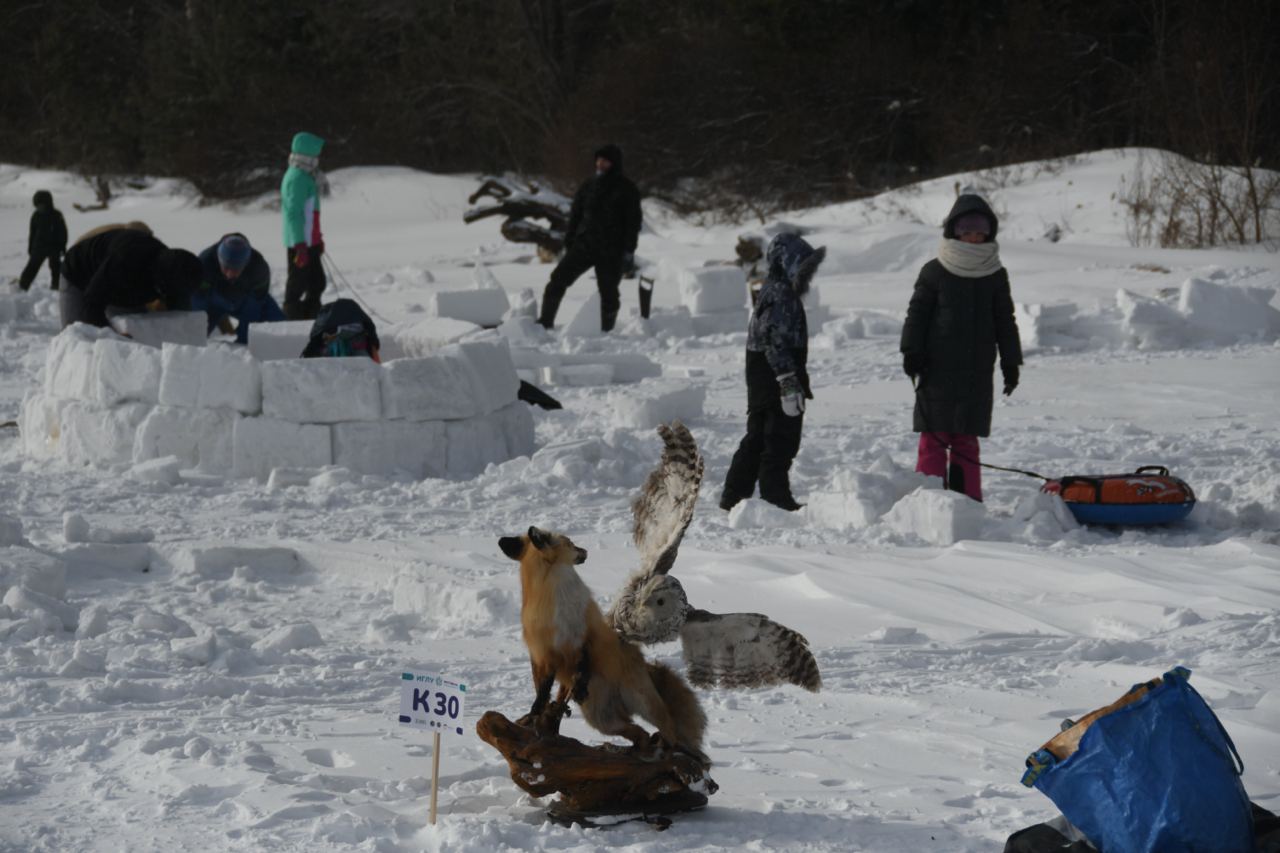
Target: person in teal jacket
304, 245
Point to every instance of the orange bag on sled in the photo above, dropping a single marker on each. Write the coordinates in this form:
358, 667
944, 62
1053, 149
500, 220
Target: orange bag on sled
1147, 496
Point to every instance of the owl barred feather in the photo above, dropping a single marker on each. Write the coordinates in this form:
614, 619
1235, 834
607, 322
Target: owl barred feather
720, 650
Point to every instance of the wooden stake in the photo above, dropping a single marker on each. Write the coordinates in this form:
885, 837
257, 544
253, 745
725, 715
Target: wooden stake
435, 774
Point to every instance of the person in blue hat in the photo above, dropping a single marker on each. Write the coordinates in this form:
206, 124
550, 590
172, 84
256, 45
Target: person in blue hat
777, 377
235, 284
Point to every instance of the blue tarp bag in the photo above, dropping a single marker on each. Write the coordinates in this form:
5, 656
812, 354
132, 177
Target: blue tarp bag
1159, 774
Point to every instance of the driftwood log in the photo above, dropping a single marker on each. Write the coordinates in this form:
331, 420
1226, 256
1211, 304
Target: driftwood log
519, 205
598, 785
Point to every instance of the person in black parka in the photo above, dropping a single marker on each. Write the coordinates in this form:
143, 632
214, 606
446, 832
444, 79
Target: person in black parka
960, 316
342, 329
124, 272
777, 377
604, 225
46, 240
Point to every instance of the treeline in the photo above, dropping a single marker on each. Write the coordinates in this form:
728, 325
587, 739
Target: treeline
768, 102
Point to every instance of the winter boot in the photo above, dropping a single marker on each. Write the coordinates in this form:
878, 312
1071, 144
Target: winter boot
550, 306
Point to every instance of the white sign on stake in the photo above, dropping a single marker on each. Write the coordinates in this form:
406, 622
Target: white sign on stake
436, 703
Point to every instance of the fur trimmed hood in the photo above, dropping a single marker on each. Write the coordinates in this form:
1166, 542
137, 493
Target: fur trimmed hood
791, 259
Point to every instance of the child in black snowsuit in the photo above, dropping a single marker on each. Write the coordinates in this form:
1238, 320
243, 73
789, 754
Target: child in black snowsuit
46, 240
777, 377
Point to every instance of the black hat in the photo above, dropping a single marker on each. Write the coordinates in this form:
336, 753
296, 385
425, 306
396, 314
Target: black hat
612, 153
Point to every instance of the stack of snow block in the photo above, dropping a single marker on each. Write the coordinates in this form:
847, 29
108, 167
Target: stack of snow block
113, 402
716, 296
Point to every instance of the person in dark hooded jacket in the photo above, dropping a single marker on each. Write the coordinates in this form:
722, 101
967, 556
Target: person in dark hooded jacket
777, 377
604, 225
124, 272
960, 316
46, 240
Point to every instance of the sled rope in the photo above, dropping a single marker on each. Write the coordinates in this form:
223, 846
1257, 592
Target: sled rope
337, 275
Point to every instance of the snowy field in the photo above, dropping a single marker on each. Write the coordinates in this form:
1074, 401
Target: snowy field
220, 669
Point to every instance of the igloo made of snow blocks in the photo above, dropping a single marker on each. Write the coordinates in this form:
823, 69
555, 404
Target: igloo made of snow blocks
112, 402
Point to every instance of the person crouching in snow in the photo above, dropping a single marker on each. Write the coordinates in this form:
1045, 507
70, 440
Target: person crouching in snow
960, 314
777, 377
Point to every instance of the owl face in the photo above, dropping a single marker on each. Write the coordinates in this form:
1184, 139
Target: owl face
661, 608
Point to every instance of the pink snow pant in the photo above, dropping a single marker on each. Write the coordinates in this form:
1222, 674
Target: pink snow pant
931, 459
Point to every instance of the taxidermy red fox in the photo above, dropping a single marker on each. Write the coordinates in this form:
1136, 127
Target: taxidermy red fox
570, 642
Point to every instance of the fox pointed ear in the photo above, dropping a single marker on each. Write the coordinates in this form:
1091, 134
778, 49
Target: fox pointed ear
539, 538
512, 546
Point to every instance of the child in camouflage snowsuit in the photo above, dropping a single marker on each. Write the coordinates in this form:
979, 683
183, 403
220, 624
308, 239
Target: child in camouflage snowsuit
777, 377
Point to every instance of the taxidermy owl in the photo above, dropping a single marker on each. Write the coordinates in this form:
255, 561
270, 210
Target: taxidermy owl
720, 650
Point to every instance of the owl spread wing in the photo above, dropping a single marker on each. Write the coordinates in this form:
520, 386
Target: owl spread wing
664, 507
746, 650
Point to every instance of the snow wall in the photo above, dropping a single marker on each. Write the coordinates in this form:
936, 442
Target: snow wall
111, 402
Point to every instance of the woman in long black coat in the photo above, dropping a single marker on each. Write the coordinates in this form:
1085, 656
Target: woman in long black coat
960, 316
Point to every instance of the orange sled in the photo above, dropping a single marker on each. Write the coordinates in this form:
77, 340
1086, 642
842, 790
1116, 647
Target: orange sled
1147, 496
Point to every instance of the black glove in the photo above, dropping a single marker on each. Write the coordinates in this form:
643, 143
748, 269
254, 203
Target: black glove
913, 364
629, 265
1010, 378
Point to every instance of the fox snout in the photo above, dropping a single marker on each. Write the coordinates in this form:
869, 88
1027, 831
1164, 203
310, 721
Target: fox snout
581, 555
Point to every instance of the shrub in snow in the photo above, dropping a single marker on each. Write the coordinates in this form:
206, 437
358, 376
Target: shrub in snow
941, 517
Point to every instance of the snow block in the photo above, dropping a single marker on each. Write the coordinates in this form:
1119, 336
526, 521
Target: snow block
437, 387
322, 390
70, 368
421, 338
230, 378
723, 323
626, 366
650, 403
95, 435
941, 517
473, 444
197, 437
391, 447
577, 375
180, 375
284, 339
707, 290
1225, 314
27, 601
493, 375
40, 424
126, 372
516, 422
35, 570
586, 323
1040, 325
261, 444
164, 327
484, 307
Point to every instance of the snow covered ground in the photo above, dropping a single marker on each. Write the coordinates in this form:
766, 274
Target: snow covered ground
213, 664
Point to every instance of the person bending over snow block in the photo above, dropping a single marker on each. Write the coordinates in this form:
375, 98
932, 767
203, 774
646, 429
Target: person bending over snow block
604, 225
237, 283
46, 240
343, 329
125, 272
960, 315
304, 244
777, 377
